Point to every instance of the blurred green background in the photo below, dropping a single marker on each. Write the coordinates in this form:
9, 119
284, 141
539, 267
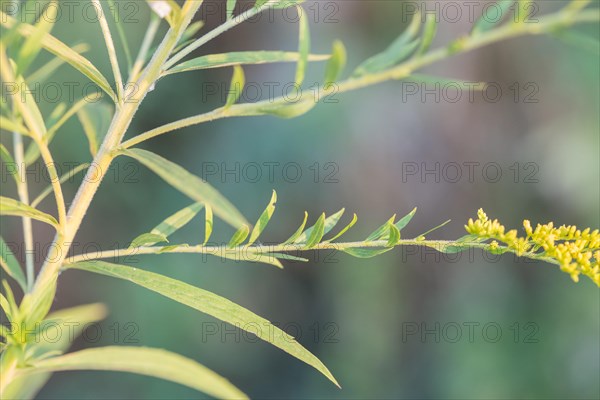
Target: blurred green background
386, 327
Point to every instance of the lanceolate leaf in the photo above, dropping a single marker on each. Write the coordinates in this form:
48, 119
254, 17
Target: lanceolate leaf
303, 47
62, 51
394, 235
77, 318
406, 219
16, 208
345, 229
208, 223
316, 232
381, 232
33, 44
429, 32
230, 8
239, 236
144, 361
11, 266
13, 126
238, 80
189, 184
264, 219
336, 63
489, 20
211, 304
365, 252
65, 177
328, 225
10, 166
161, 232
396, 52
298, 232
240, 58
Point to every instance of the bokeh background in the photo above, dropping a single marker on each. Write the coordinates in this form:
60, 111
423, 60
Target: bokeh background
386, 327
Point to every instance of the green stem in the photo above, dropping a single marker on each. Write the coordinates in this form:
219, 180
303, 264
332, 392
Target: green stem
402, 71
23, 193
283, 248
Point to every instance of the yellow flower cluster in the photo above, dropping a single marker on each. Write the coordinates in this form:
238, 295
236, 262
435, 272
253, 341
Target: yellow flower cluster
577, 252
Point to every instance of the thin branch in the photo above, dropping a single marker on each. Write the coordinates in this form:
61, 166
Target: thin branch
285, 248
110, 46
402, 71
24, 198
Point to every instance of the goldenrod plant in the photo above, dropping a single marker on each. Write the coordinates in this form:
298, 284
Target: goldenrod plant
26, 364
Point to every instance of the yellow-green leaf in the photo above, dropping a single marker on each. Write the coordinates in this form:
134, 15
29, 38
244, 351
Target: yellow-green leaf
336, 63
62, 51
238, 80
264, 219
95, 120
212, 304
299, 231
239, 236
208, 223
189, 184
303, 47
240, 58
316, 232
157, 363
16, 208
11, 266
33, 44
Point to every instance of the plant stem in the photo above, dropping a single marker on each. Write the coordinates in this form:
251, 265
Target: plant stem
402, 71
94, 176
110, 46
282, 248
24, 198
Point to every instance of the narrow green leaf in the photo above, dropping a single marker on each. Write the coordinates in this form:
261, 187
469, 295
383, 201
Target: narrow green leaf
399, 50
162, 231
429, 32
30, 111
9, 164
16, 208
62, 51
433, 229
230, 8
264, 219
95, 120
13, 126
394, 235
65, 177
208, 224
239, 236
33, 44
147, 239
285, 110
188, 35
328, 225
188, 184
211, 304
238, 80
406, 219
240, 58
303, 46
11, 266
177, 220
298, 232
45, 71
144, 361
365, 252
33, 152
336, 63
284, 256
382, 232
345, 229
249, 256
317, 232
489, 20
121, 32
